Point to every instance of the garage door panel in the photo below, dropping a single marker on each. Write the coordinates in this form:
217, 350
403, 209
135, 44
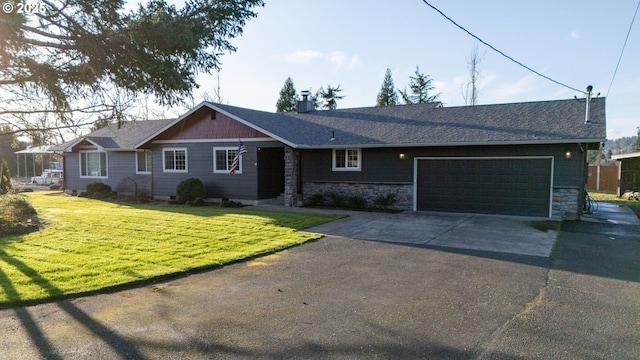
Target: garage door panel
518, 186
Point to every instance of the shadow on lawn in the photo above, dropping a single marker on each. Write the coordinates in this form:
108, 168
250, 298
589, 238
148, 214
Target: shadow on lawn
280, 218
119, 344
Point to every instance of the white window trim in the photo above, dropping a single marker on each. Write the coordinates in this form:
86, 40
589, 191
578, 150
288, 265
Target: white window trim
239, 171
346, 168
146, 151
106, 156
186, 160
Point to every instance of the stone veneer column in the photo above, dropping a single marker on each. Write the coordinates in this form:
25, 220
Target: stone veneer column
290, 176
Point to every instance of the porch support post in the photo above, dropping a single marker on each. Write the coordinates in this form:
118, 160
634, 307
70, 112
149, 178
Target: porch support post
291, 176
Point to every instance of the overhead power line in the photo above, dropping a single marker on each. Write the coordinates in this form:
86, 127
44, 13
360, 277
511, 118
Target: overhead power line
500, 52
623, 47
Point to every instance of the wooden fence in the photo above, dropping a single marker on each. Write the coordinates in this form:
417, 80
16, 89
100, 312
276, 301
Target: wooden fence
603, 178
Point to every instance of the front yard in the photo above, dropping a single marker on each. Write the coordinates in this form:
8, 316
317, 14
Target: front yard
90, 245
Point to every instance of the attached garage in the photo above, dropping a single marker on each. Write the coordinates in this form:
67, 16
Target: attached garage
489, 185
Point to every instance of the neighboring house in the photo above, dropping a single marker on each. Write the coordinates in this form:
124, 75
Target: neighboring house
629, 172
521, 159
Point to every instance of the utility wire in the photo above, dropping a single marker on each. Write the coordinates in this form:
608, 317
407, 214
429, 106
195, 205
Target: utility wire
500, 52
623, 47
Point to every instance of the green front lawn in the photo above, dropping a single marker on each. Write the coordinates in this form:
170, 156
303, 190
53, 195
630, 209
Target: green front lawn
91, 245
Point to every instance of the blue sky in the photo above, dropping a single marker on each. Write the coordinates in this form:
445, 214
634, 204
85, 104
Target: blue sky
352, 42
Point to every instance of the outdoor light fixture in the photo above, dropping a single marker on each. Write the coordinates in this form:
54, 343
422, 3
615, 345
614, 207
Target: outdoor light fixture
402, 156
567, 155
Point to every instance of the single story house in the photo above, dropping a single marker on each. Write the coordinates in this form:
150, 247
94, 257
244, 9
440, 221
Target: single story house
628, 172
524, 159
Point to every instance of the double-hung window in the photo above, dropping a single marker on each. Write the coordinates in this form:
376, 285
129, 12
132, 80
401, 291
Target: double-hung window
174, 159
347, 159
143, 161
223, 159
93, 164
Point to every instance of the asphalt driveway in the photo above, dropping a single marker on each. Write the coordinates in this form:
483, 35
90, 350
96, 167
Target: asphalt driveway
340, 297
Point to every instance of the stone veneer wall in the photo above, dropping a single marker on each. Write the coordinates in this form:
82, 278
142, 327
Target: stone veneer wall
291, 176
565, 204
368, 191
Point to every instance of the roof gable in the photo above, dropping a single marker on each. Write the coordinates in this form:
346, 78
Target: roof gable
206, 123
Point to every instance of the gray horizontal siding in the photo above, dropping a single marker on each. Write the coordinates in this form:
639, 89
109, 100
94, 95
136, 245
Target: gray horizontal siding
384, 164
200, 165
121, 174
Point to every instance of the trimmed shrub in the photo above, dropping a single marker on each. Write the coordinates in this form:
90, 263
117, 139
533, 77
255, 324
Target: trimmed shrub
356, 202
386, 200
16, 215
231, 204
189, 190
336, 199
196, 202
98, 188
316, 200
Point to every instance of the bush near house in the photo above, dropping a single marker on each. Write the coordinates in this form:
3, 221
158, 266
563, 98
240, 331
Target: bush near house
189, 190
17, 216
98, 188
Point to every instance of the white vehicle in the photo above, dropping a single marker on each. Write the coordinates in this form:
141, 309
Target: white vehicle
51, 176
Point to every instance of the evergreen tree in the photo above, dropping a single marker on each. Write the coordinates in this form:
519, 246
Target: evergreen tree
71, 52
8, 145
387, 95
288, 100
636, 145
420, 86
330, 97
5, 178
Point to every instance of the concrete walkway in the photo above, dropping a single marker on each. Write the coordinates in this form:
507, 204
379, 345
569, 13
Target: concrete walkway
612, 214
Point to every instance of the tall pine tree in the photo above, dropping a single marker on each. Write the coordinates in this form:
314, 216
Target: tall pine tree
330, 97
288, 99
420, 86
387, 95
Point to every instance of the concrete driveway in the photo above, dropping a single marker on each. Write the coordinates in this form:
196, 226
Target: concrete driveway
503, 234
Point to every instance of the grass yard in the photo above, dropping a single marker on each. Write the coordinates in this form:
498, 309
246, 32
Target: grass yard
90, 245
612, 198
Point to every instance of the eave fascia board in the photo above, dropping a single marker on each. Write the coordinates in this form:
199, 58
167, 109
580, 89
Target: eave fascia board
470, 143
626, 156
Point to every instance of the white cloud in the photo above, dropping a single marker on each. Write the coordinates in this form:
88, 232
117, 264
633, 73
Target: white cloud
302, 56
342, 60
339, 60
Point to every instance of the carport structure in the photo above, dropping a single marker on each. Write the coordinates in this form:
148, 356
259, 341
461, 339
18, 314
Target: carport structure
31, 153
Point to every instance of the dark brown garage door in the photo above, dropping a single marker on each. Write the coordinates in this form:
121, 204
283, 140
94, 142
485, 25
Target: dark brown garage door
491, 186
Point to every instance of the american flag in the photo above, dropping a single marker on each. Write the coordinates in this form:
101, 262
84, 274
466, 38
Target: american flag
236, 160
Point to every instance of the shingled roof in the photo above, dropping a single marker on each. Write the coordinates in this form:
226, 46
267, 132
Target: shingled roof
124, 137
559, 121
